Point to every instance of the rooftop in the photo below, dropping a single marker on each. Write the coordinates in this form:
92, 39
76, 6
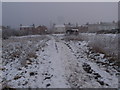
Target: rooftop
59, 25
26, 26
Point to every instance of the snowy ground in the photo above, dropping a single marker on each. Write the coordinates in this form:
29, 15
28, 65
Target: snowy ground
51, 62
106, 42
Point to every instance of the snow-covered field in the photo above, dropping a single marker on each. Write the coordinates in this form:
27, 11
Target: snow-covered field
48, 61
105, 42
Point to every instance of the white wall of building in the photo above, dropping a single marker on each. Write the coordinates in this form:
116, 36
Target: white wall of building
59, 29
104, 26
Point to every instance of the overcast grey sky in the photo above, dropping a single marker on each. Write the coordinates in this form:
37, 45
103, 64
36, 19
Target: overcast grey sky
39, 13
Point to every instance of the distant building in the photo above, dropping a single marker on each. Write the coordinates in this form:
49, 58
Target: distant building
41, 29
102, 26
70, 26
33, 29
4, 27
59, 29
83, 28
30, 27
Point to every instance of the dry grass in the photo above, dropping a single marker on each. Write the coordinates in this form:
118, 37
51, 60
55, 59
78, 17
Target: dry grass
22, 48
72, 37
8, 88
17, 77
32, 55
103, 43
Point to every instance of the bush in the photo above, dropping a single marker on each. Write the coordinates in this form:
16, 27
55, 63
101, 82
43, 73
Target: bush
104, 43
6, 33
72, 37
113, 31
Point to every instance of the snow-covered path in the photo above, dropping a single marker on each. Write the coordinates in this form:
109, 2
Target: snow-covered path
56, 63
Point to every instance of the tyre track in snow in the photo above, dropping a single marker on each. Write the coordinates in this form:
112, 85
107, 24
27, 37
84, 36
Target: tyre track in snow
66, 70
53, 71
98, 74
